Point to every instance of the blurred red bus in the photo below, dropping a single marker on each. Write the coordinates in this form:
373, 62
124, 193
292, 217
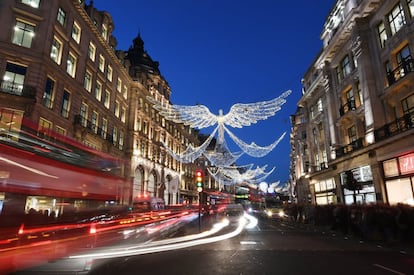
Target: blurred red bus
44, 178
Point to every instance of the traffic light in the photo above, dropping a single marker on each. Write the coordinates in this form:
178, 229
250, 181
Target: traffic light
351, 183
199, 180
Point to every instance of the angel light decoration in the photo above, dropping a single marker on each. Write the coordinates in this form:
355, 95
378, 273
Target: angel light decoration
239, 116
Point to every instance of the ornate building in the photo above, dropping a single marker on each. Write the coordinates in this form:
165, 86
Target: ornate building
352, 132
153, 169
60, 70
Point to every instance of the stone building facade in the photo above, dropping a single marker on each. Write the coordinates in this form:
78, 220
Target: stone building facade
352, 134
61, 70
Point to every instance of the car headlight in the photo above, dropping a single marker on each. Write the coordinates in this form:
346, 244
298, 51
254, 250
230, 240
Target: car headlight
269, 213
281, 213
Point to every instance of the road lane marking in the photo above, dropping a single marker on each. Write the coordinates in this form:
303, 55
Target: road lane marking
248, 242
389, 269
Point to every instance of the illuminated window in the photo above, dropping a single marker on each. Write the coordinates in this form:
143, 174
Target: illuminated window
125, 92
94, 121
382, 34
121, 140
123, 114
84, 114
32, 3
48, 94
13, 79
408, 108
104, 32
402, 57
91, 51
101, 63
23, 34
98, 91
410, 4
65, 108
140, 103
138, 124
61, 16
360, 95
76, 32
56, 51
396, 19
104, 127
87, 84
107, 98
352, 134
117, 108
109, 73
115, 136
60, 130
71, 65
119, 84
346, 66
399, 191
45, 125
319, 105
349, 96
408, 105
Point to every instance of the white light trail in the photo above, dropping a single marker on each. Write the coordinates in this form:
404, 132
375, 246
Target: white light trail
169, 244
28, 168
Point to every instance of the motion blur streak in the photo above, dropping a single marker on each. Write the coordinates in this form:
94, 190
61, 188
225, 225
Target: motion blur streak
27, 168
251, 221
128, 251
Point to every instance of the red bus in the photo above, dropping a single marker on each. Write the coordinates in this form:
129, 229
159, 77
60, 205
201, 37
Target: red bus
47, 178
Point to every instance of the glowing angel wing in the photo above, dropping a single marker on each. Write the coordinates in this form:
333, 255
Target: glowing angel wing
198, 116
246, 114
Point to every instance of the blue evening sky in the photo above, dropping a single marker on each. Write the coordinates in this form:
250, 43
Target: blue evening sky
221, 52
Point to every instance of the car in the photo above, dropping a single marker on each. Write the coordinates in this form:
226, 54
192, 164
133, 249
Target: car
233, 212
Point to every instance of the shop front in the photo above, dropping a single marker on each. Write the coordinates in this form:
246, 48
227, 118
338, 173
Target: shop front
325, 192
399, 179
357, 185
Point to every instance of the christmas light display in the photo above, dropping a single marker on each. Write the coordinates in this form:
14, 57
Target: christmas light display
239, 174
221, 158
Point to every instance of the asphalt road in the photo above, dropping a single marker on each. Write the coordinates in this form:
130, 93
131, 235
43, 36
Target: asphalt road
271, 247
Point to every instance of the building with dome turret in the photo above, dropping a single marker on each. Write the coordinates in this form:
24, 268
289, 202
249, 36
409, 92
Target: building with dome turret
60, 71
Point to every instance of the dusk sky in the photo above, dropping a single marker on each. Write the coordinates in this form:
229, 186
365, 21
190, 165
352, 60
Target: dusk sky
218, 53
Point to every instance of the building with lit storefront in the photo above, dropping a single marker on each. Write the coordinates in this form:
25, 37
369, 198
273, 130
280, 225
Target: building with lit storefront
352, 134
60, 70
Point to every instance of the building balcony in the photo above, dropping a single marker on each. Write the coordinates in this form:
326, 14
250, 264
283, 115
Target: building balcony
395, 127
347, 107
349, 148
16, 89
318, 168
402, 70
92, 128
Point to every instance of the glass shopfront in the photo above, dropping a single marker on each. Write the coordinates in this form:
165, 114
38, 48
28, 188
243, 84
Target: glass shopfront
399, 179
325, 192
357, 185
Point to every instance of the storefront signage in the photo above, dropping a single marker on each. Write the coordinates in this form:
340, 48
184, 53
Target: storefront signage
406, 164
390, 168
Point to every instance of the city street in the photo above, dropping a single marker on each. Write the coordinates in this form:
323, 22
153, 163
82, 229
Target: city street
271, 247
